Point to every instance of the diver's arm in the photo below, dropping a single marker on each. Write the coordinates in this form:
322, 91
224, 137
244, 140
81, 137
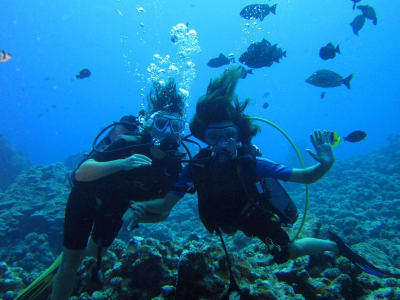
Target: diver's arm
158, 209
324, 155
310, 174
92, 170
152, 211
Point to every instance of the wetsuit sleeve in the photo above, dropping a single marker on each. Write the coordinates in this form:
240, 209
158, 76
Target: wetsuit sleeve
184, 182
268, 168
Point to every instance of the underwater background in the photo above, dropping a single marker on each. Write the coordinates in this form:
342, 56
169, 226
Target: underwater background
49, 115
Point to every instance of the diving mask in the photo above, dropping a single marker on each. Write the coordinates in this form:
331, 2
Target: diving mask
162, 122
223, 139
220, 132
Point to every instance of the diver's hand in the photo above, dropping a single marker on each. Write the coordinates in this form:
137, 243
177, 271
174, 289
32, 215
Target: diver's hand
134, 161
132, 216
324, 153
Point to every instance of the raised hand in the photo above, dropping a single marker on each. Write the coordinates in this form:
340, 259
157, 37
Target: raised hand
323, 148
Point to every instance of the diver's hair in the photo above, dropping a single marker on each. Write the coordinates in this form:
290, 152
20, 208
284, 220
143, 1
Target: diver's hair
221, 104
164, 97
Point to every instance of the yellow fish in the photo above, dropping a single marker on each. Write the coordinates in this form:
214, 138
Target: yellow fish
4, 56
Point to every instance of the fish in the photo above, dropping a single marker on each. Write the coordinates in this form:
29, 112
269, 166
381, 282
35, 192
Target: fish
358, 23
329, 51
257, 11
261, 54
4, 56
327, 78
245, 71
334, 138
265, 105
322, 96
369, 13
355, 136
277, 53
266, 94
354, 3
84, 73
219, 61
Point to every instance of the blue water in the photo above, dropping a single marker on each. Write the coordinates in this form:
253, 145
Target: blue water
49, 114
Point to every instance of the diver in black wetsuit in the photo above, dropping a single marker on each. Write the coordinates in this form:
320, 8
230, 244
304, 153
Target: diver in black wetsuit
132, 167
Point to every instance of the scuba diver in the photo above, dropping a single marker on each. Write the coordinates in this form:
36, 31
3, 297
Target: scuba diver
235, 184
238, 190
126, 166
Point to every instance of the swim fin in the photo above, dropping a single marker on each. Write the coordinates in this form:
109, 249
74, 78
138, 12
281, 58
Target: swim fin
356, 259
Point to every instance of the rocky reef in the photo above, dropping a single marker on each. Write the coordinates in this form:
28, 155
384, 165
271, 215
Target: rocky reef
35, 202
177, 259
12, 163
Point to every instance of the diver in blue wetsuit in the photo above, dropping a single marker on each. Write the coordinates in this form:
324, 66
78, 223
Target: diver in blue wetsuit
239, 190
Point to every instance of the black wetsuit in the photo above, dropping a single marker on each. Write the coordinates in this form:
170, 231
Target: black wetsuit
228, 199
98, 206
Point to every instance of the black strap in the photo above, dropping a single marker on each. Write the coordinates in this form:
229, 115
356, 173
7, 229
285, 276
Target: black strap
233, 286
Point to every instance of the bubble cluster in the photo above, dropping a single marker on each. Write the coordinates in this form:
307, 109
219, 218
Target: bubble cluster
179, 66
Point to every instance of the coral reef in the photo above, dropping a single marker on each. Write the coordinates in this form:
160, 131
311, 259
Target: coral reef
12, 163
177, 259
35, 202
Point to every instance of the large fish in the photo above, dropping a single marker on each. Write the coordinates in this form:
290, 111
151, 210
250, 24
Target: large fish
358, 23
4, 56
369, 13
329, 51
257, 11
327, 79
219, 61
261, 54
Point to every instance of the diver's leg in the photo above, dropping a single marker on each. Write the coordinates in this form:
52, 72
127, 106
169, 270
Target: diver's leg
310, 246
64, 279
92, 248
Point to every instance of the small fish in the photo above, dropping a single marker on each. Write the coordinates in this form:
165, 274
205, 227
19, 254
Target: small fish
266, 94
4, 56
354, 3
329, 51
265, 105
257, 11
328, 78
245, 71
84, 73
322, 96
334, 138
369, 13
358, 23
356, 136
219, 61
